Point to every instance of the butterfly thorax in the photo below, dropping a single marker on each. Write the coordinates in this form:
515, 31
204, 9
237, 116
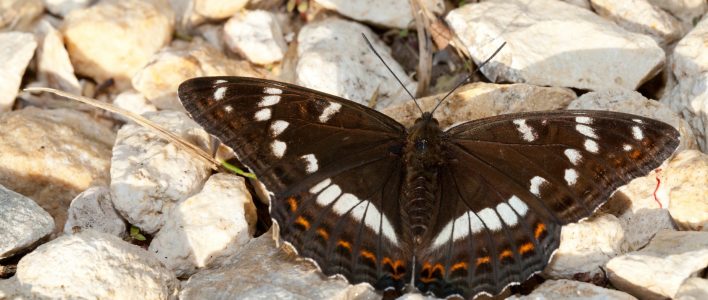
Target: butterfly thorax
423, 157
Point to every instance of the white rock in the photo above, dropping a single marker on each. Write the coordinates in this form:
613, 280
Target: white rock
579, 3
642, 17
689, 57
194, 12
556, 44
93, 265
54, 68
687, 181
93, 209
64, 7
256, 35
205, 228
159, 79
572, 290
657, 271
693, 289
632, 102
53, 155
22, 222
264, 271
16, 51
114, 39
334, 58
387, 13
688, 11
150, 176
586, 246
19, 14
416, 296
134, 102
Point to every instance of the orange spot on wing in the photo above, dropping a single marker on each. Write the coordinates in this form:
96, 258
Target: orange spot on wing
635, 154
344, 244
459, 265
483, 260
540, 228
367, 254
396, 267
293, 203
300, 220
526, 247
323, 233
506, 253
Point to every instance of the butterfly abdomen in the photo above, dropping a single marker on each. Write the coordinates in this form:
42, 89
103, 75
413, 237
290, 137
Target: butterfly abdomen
423, 157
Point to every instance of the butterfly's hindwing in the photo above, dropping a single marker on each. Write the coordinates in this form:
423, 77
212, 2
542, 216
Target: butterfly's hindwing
328, 162
513, 180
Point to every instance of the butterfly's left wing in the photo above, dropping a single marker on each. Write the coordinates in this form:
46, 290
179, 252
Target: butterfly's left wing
511, 182
332, 167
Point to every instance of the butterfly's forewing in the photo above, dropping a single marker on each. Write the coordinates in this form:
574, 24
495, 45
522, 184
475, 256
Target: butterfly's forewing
511, 181
332, 168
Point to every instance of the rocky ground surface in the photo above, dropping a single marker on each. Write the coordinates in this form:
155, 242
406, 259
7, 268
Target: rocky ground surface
94, 206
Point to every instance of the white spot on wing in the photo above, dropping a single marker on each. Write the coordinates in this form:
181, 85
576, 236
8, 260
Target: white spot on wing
371, 217
278, 127
571, 176
278, 148
586, 131
637, 133
518, 205
228, 108
490, 219
536, 183
219, 93
591, 146
311, 162
627, 147
463, 224
507, 214
220, 81
272, 91
329, 111
526, 132
573, 156
263, 114
583, 120
329, 194
269, 100
638, 121
320, 186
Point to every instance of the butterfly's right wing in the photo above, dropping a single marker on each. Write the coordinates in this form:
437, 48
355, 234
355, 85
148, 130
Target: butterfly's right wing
332, 166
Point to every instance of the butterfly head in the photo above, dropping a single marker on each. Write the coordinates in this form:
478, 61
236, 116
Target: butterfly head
424, 138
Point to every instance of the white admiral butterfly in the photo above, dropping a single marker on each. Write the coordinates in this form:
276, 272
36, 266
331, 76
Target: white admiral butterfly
463, 211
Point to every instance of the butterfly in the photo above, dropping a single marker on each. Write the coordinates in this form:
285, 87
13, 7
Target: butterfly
464, 211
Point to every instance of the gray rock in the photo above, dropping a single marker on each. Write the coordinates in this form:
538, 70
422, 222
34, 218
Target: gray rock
687, 181
256, 35
93, 209
693, 289
19, 14
642, 17
22, 222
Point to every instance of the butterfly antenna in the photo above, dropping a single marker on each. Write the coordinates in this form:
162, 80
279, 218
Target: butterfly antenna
389, 69
468, 77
